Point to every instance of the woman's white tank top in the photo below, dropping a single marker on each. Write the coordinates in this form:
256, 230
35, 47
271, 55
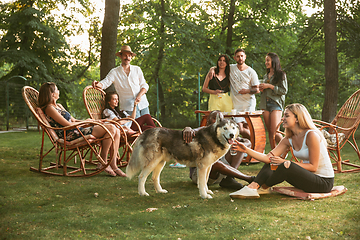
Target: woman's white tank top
325, 168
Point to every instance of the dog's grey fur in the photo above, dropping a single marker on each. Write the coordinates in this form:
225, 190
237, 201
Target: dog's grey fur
157, 145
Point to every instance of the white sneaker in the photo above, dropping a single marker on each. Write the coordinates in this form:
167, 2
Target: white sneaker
262, 191
245, 192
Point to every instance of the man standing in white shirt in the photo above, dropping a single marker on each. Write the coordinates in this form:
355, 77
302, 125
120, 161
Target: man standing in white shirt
244, 84
129, 83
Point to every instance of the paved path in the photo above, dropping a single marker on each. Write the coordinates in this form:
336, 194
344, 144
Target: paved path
14, 130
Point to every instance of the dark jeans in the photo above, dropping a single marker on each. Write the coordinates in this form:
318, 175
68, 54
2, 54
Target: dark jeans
296, 176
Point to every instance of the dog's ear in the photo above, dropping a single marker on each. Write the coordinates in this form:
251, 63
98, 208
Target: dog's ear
219, 117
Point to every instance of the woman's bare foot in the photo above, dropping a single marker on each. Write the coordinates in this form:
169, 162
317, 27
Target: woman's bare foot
120, 173
110, 171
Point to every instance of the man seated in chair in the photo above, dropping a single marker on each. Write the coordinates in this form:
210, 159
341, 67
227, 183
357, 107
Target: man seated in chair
225, 169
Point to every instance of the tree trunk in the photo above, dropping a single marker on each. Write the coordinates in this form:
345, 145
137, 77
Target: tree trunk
109, 37
160, 60
229, 50
331, 62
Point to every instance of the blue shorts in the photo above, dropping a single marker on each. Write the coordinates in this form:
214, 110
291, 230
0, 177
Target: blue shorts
271, 105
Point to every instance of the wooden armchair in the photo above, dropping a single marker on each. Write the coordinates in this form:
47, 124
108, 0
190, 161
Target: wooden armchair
94, 100
71, 156
341, 131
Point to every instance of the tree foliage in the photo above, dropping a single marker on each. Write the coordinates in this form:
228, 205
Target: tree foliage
177, 41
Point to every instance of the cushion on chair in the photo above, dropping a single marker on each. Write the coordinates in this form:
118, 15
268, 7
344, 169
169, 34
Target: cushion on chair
331, 138
300, 194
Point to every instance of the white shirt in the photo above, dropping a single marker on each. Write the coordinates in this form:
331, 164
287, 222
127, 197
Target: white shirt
111, 115
128, 87
242, 80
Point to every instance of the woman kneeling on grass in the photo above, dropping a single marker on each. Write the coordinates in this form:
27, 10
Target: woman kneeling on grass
58, 117
314, 173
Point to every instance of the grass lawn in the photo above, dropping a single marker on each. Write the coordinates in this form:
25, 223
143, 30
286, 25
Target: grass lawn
38, 206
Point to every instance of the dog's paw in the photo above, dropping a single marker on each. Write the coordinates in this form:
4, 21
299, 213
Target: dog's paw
143, 194
207, 196
162, 191
210, 192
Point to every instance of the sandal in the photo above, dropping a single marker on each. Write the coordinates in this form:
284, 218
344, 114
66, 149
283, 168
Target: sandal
110, 171
120, 173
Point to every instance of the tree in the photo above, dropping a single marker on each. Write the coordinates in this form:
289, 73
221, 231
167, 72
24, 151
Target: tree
31, 42
109, 36
229, 36
171, 48
331, 62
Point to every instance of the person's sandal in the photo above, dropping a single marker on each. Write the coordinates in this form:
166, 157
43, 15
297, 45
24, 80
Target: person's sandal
120, 173
109, 171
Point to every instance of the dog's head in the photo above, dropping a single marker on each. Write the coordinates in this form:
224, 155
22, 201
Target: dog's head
226, 130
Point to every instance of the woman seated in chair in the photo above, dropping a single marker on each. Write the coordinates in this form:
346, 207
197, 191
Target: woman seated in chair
112, 112
58, 117
313, 174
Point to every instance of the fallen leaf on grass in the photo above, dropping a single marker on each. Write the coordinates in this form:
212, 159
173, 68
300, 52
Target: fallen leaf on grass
151, 209
178, 206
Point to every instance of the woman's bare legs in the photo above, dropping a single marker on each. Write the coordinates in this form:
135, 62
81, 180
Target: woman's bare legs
114, 151
107, 145
272, 119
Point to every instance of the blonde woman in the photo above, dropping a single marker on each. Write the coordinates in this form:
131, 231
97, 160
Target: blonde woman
314, 173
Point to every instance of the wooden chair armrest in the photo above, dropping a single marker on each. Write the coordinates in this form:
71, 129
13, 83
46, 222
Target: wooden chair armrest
134, 121
201, 111
156, 121
321, 124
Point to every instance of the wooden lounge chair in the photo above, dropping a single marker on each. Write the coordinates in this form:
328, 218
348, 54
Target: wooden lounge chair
72, 157
341, 131
94, 100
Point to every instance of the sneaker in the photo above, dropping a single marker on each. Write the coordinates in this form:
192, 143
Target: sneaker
230, 183
177, 165
245, 193
262, 191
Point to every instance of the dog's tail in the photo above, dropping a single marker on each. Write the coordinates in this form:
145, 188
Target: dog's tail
135, 163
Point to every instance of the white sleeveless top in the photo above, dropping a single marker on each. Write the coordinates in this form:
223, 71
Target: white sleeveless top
325, 168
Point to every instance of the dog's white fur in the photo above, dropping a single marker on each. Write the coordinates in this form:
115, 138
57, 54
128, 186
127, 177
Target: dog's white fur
158, 145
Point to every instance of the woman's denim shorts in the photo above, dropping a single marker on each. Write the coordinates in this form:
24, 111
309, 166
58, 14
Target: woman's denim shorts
271, 105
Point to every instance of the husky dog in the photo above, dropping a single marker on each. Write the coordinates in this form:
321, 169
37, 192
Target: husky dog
155, 146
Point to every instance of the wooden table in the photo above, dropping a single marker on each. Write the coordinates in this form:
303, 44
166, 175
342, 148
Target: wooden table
256, 126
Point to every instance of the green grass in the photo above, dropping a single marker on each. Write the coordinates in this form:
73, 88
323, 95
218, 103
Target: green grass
38, 206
